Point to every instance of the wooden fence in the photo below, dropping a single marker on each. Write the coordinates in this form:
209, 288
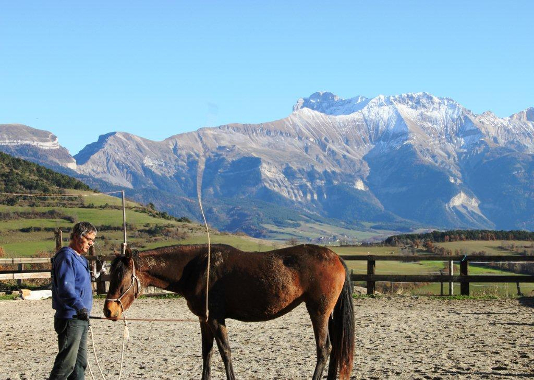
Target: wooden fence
463, 278
22, 273
371, 278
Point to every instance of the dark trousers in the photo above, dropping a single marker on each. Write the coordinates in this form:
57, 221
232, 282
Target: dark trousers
71, 359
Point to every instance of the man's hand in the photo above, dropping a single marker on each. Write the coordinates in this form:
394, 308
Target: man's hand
82, 314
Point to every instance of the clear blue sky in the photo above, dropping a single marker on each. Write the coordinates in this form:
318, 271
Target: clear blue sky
157, 68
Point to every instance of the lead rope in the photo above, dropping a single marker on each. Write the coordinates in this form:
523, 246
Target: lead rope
125, 337
96, 357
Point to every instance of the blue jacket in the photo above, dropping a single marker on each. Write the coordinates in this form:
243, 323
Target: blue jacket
71, 283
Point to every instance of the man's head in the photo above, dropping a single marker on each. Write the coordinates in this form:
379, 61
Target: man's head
82, 237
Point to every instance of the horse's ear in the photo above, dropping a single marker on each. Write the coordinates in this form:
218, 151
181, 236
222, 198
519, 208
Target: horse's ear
128, 252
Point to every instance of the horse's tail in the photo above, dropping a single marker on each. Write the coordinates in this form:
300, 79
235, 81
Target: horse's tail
341, 330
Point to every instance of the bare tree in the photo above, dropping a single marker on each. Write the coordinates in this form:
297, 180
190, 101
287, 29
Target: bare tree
293, 241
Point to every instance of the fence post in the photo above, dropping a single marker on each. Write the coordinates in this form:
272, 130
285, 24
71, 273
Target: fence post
94, 272
96, 266
19, 281
441, 291
100, 283
371, 266
451, 272
92, 263
464, 271
59, 239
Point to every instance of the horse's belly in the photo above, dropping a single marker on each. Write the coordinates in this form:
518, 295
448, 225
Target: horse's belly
259, 315
262, 308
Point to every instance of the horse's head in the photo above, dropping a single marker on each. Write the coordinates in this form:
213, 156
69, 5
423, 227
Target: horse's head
124, 286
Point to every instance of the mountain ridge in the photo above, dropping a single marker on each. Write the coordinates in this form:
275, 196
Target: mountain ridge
409, 157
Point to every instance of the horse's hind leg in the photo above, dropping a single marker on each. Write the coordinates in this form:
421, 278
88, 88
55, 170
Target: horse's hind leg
218, 329
322, 340
207, 350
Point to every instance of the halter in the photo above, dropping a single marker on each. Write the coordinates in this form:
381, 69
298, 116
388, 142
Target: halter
135, 280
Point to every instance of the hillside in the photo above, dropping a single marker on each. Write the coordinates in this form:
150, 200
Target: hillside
27, 222
21, 176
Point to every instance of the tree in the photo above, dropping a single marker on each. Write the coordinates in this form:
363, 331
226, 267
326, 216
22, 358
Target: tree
292, 242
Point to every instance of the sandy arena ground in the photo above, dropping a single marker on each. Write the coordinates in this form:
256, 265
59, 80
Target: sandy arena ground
396, 338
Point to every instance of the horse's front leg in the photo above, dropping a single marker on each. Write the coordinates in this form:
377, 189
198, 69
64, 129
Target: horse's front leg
207, 350
218, 328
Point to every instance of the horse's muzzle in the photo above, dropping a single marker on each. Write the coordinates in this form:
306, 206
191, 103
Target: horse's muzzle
112, 310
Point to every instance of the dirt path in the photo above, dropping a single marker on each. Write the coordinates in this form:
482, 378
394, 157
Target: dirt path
396, 338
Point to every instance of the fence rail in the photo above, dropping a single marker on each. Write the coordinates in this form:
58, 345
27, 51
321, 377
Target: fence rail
464, 278
371, 278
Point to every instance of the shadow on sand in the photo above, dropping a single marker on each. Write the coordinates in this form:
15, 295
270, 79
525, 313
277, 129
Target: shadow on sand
527, 301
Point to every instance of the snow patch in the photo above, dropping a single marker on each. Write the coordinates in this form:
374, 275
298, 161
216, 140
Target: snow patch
462, 199
360, 185
47, 145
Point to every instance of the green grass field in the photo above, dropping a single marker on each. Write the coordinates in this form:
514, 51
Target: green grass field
16, 243
364, 250
313, 230
490, 247
99, 199
98, 216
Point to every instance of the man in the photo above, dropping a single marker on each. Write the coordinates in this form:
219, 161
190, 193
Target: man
72, 298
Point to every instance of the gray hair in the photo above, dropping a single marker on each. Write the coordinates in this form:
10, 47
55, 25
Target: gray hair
82, 228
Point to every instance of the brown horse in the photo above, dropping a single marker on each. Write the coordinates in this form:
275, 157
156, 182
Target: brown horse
250, 287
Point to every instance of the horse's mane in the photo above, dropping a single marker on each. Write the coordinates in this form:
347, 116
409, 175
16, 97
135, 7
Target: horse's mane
119, 265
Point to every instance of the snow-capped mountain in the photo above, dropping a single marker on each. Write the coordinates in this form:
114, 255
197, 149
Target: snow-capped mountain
385, 160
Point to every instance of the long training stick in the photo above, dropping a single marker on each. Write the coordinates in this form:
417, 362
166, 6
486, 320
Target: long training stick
124, 223
201, 163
